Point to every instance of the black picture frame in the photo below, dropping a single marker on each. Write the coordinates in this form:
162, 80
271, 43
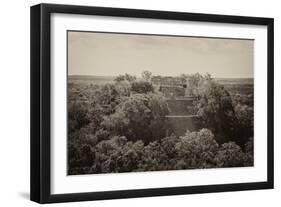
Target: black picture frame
41, 98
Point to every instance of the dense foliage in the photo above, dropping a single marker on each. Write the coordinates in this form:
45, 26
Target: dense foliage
230, 117
136, 113
121, 127
194, 150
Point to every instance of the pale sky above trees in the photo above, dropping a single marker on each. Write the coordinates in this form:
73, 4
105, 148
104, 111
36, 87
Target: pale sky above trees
111, 54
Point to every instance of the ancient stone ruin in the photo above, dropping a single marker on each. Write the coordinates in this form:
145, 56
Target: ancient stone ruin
182, 114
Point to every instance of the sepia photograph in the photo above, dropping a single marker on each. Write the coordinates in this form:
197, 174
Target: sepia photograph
150, 102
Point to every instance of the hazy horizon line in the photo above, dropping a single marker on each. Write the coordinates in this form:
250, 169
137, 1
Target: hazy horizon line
152, 75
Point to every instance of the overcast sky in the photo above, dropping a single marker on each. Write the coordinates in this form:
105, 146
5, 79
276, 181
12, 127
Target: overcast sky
111, 54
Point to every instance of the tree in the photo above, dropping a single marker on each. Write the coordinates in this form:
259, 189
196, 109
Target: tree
142, 87
197, 82
108, 96
146, 75
197, 149
249, 152
77, 115
183, 77
245, 122
125, 77
214, 107
118, 155
140, 116
230, 155
80, 158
